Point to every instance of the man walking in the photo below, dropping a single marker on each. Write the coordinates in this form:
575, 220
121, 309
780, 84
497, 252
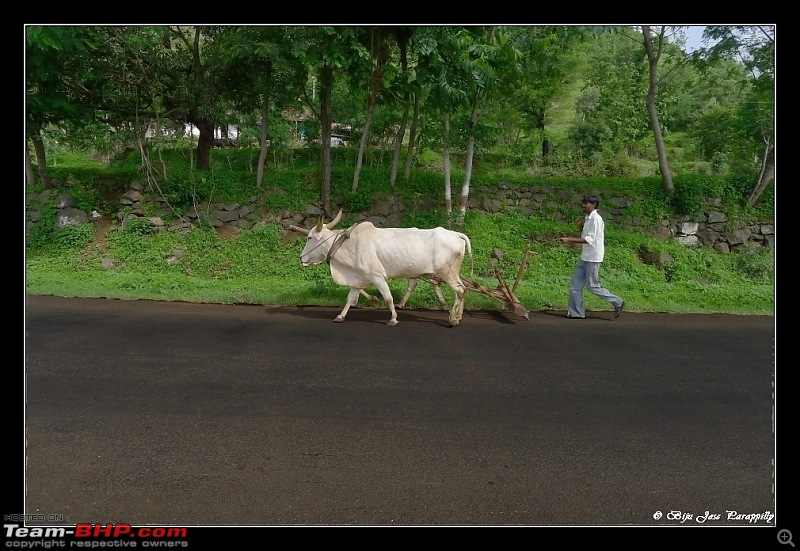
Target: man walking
592, 240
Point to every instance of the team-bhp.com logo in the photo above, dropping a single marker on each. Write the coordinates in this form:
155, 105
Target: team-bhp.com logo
87, 535
126, 530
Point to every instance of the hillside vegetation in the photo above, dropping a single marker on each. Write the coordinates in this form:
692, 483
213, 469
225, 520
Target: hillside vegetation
260, 265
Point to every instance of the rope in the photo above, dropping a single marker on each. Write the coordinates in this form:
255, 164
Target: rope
340, 238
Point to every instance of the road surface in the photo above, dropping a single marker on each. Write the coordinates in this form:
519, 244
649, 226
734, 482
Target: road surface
184, 414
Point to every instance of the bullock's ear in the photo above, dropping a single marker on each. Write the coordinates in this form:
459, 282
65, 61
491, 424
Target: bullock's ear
319, 224
335, 221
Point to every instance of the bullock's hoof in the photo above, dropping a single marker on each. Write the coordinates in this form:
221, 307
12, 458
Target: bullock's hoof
338, 319
392, 322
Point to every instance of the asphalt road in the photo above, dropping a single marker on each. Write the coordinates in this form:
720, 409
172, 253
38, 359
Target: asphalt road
192, 414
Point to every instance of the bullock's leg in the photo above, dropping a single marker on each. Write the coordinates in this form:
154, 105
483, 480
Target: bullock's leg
367, 296
411, 284
440, 296
352, 298
457, 311
386, 293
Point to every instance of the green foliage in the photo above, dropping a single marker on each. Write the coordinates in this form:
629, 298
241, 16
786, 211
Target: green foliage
359, 200
429, 159
261, 265
137, 226
279, 202
72, 238
86, 182
427, 219
41, 235
756, 264
590, 137
687, 198
126, 245
45, 235
62, 241
693, 194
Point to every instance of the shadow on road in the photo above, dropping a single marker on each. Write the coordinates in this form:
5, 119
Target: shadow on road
367, 315
381, 315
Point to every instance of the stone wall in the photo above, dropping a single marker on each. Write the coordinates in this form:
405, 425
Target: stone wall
710, 230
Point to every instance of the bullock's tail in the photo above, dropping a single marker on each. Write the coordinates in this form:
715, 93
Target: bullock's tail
469, 250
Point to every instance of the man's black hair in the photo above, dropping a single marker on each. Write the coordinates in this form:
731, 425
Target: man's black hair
593, 199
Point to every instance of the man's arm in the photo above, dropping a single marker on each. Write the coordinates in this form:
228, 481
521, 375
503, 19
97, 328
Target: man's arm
580, 221
589, 233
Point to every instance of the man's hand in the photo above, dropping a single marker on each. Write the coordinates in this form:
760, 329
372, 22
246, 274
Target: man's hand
579, 221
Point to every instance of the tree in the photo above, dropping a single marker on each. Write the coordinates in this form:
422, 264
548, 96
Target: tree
617, 70
466, 69
493, 63
268, 74
326, 51
653, 55
379, 56
412, 135
754, 46
195, 83
545, 66
57, 76
402, 36
629, 75
155, 72
439, 52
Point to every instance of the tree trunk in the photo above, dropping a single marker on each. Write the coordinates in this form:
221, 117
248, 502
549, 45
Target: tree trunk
379, 56
204, 143
412, 136
41, 158
402, 38
142, 145
262, 155
29, 177
398, 142
539, 124
448, 194
464, 199
326, 121
766, 176
652, 113
362, 146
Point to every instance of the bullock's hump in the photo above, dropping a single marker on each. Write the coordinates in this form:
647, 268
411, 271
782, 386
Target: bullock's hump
363, 227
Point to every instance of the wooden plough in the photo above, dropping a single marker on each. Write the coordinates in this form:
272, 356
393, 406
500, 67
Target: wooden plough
502, 292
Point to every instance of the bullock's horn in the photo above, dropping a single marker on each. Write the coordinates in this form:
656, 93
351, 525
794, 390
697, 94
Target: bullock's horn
319, 224
335, 221
297, 228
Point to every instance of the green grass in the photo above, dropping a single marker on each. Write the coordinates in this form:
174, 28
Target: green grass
261, 265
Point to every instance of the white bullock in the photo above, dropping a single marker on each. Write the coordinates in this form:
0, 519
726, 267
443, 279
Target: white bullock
365, 255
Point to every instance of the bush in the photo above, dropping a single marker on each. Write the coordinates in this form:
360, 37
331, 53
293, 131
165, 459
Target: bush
137, 226
757, 264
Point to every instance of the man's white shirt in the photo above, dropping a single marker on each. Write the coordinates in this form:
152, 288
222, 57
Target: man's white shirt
593, 233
